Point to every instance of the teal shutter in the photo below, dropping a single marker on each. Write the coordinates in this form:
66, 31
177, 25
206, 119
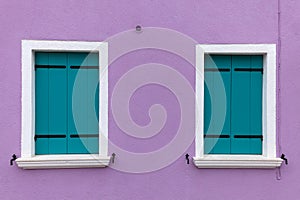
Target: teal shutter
42, 104
246, 121
58, 103
83, 99
216, 130
51, 103
256, 105
77, 111
242, 131
56, 112
93, 102
240, 118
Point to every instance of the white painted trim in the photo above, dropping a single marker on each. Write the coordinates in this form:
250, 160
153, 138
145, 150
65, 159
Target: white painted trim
103, 97
269, 107
28, 96
199, 90
236, 161
63, 161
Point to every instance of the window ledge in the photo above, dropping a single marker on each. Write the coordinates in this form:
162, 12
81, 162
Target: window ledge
63, 161
236, 161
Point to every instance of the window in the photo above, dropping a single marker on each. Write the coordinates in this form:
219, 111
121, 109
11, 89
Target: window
58, 99
64, 105
236, 106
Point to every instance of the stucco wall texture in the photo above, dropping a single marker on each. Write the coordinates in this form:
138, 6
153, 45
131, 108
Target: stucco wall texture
208, 22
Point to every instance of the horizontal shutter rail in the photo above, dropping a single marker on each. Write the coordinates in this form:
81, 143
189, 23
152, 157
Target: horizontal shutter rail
83, 135
249, 136
84, 67
249, 70
228, 136
216, 136
216, 69
49, 136
51, 66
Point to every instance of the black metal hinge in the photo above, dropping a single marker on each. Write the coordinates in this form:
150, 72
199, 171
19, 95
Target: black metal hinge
249, 70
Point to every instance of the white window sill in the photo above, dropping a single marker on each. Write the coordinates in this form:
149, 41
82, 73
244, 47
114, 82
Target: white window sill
63, 161
236, 161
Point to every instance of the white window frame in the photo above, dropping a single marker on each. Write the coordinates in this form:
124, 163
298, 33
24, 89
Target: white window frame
268, 158
28, 159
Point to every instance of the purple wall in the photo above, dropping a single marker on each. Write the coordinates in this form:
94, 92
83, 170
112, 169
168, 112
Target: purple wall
214, 21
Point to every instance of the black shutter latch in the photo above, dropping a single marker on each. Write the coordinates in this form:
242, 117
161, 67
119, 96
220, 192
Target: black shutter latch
187, 158
113, 155
14, 157
284, 158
